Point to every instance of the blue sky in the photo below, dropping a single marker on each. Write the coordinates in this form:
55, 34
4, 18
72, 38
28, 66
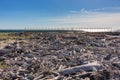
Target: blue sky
19, 14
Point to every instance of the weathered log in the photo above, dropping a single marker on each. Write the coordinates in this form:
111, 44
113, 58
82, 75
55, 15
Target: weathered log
42, 77
83, 75
86, 67
4, 51
116, 64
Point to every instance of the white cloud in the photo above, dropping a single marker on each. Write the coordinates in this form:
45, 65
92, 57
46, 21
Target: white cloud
106, 9
83, 10
73, 12
91, 18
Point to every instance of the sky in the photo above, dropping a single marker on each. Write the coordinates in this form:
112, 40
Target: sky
37, 14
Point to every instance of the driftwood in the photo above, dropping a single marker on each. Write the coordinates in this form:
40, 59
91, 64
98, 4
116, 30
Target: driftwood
86, 67
4, 51
84, 75
117, 64
40, 77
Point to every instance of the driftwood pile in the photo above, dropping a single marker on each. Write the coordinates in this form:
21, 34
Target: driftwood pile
62, 56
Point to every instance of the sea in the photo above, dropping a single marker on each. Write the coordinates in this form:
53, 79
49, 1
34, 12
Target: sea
17, 30
24, 30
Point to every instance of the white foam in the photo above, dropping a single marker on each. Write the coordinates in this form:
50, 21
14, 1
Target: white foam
95, 30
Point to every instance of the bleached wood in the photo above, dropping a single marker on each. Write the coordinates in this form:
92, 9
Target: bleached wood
86, 67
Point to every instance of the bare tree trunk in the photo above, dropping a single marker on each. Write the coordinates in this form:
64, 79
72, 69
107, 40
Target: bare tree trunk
86, 67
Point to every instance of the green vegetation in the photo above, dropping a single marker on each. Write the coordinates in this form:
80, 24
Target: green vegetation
3, 65
3, 36
6, 36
